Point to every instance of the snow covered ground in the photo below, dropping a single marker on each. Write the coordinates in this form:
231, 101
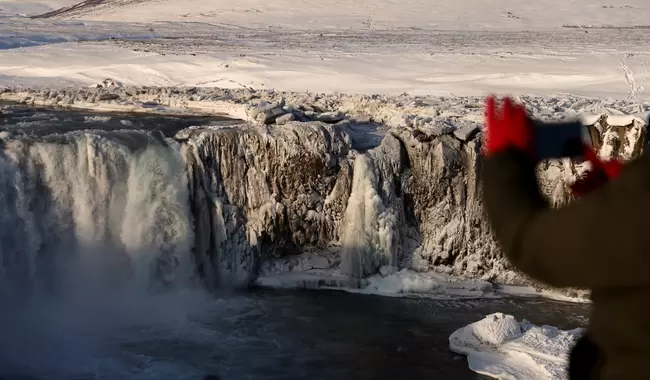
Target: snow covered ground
308, 54
375, 14
443, 48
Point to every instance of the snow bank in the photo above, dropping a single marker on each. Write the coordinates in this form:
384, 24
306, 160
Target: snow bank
320, 270
429, 284
310, 279
391, 283
501, 347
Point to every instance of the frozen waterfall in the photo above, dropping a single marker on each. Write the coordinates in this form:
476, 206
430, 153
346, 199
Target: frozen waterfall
217, 204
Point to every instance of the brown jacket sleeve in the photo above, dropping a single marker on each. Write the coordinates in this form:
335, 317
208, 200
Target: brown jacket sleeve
600, 240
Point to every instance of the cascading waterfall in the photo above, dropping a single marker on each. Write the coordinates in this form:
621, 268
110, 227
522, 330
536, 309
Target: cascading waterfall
88, 209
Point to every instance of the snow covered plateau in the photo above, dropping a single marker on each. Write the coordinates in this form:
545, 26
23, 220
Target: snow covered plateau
353, 159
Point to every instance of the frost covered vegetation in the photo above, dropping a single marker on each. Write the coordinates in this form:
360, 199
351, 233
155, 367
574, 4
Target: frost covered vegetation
345, 186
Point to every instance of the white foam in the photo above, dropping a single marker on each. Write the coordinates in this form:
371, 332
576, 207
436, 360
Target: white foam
98, 205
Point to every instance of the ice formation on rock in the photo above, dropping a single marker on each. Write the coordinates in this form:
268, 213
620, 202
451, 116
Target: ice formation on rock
257, 191
381, 182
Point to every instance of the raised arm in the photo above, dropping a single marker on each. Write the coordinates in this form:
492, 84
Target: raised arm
600, 240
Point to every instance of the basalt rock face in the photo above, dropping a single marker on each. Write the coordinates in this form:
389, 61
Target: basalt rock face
431, 217
260, 193
413, 200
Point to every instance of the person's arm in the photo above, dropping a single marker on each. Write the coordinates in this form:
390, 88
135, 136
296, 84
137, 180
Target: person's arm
600, 240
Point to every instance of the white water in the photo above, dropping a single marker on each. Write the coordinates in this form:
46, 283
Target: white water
88, 337
89, 207
91, 223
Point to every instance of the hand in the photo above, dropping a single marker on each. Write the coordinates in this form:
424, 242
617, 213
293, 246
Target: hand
507, 129
601, 172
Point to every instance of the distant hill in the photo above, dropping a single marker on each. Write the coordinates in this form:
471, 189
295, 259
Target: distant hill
88, 8
10, 8
501, 15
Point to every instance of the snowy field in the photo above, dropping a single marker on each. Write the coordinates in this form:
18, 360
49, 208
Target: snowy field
568, 58
421, 48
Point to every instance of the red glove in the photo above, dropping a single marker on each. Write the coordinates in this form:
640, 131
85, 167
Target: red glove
508, 129
601, 172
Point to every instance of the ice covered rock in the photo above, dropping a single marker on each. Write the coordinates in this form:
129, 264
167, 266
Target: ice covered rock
109, 83
494, 330
502, 347
265, 112
443, 185
375, 219
284, 119
329, 117
392, 282
255, 190
318, 262
467, 131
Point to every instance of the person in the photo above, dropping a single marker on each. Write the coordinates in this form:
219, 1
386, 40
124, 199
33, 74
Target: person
599, 241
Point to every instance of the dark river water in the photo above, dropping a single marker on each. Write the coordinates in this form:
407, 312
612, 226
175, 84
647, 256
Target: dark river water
330, 335
37, 121
260, 334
